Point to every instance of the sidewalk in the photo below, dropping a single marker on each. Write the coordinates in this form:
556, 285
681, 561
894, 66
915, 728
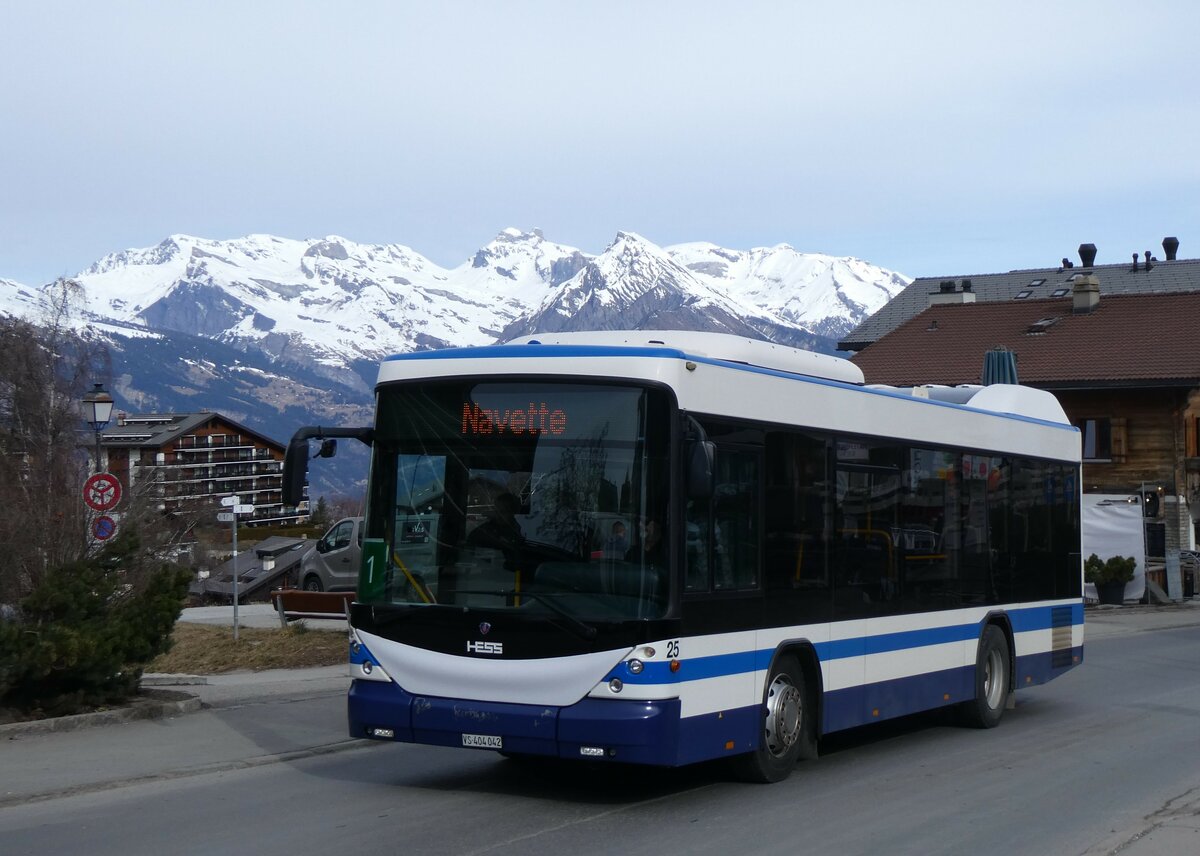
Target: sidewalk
1101, 622
251, 615
247, 720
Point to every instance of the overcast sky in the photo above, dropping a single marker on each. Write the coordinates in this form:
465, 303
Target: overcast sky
927, 137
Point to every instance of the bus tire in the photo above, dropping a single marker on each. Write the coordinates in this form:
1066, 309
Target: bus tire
787, 731
992, 670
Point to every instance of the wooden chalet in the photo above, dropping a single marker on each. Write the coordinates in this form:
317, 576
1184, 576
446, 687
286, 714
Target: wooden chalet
190, 461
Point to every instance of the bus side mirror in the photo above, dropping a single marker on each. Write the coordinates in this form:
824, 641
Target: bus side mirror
328, 448
701, 455
295, 472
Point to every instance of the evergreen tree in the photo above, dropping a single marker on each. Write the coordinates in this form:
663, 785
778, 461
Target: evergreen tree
319, 516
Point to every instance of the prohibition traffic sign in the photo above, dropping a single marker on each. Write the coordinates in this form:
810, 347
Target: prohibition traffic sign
103, 527
102, 491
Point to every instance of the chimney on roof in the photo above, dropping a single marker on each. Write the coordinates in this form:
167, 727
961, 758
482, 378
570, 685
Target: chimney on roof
1067, 264
1170, 247
1085, 295
121, 417
1087, 255
1149, 260
948, 293
1135, 257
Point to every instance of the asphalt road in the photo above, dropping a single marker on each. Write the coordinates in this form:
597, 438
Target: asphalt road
1104, 760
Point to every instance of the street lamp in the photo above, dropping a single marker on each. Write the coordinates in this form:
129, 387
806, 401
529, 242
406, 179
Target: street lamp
96, 408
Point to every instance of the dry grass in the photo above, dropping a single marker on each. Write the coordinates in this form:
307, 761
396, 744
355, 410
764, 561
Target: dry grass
201, 649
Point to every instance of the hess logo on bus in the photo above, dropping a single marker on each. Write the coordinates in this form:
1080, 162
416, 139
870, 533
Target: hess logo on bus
485, 647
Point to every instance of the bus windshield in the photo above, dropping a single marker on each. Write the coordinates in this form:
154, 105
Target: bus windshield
543, 497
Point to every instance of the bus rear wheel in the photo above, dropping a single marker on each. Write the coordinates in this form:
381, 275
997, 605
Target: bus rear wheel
992, 670
787, 729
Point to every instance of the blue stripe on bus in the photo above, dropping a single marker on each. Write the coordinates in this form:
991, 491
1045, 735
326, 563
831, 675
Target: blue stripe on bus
1041, 617
540, 351
722, 665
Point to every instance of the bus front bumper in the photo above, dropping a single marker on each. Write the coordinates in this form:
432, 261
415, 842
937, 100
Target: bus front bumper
641, 732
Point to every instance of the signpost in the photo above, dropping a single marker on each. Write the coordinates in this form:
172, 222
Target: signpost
101, 493
235, 506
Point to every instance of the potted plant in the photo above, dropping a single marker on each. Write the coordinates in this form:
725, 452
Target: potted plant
1109, 576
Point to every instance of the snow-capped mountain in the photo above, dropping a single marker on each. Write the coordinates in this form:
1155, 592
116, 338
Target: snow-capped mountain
17, 299
815, 292
333, 300
279, 332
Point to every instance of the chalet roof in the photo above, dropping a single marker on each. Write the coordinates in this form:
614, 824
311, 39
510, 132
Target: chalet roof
156, 430
1162, 278
1127, 340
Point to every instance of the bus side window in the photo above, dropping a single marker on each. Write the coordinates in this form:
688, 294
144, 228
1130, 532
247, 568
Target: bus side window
722, 548
736, 520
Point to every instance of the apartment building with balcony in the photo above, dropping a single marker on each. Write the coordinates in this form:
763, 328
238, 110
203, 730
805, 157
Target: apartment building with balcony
190, 461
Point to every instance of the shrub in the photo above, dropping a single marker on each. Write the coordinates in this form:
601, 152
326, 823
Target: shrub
1114, 569
85, 632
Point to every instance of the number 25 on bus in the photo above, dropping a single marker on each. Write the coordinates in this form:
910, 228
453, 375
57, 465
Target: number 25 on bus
664, 547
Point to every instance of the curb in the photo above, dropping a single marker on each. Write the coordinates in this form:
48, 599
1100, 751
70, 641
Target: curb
156, 679
151, 704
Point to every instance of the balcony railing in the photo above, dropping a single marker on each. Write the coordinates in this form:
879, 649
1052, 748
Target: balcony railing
224, 474
216, 454
212, 441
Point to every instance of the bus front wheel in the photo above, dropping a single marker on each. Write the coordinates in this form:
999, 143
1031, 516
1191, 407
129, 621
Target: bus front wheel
787, 729
992, 669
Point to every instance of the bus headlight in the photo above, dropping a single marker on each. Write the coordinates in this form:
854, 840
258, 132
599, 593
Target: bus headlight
615, 685
635, 667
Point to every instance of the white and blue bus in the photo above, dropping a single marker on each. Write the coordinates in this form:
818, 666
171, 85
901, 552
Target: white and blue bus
665, 547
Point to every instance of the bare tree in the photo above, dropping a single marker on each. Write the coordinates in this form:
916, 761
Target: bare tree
44, 368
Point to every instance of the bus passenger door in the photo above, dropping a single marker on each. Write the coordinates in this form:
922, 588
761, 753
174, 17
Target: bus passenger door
723, 562
866, 578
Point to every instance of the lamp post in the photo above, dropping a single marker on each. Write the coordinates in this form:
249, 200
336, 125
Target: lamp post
96, 408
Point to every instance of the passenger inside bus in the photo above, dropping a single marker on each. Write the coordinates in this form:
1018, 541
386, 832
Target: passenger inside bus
617, 544
650, 547
500, 531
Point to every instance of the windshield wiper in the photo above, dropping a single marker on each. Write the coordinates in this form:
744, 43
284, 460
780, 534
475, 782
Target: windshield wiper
580, 628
